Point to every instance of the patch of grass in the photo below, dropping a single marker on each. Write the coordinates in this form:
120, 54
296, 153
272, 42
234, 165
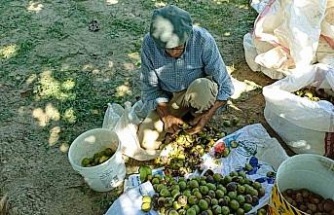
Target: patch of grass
14, 33
128, 25
56, 30
78, 97
6, 115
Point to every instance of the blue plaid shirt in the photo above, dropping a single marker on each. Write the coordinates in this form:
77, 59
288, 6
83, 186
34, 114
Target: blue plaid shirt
162, 75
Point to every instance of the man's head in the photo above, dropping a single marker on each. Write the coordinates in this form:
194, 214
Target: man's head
170, 28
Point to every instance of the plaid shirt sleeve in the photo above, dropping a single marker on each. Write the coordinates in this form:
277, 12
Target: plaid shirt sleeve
151, 93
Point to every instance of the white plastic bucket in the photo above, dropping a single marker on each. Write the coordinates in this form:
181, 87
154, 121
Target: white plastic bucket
103, 177
313, 172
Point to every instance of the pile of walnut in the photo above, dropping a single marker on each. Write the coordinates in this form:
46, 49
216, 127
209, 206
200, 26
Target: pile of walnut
185, 151
309, 202
315, 94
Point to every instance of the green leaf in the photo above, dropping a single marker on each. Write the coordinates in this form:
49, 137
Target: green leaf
144, 172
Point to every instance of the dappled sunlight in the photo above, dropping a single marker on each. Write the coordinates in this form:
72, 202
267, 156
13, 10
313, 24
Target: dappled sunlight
31, 79
241, 87
111, 2
49, 87
123, 90
129, 66
221, 1
69, 115
68, 85
96, 71
230, 69
45, 116
243, 6
197, 24
240, 6
110, 64
64, 147
160, 4
252, 84
8, 51
88, 67
227, 34
54, 135
95, 111
35, 7
134, 56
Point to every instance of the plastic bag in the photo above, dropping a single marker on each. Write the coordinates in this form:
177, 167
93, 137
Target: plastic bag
250, 52
291, 34
125, 121
112, 115
129, 203
254, 143
306, 126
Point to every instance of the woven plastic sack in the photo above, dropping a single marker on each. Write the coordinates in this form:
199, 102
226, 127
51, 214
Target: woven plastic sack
306, 126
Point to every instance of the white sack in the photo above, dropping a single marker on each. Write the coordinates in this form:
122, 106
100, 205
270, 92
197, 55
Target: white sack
306, 126
291, 34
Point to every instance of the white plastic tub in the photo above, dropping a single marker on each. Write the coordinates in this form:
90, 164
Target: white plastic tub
309, 171
103, 177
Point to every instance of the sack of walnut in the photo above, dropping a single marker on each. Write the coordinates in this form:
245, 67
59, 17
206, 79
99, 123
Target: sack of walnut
306, 125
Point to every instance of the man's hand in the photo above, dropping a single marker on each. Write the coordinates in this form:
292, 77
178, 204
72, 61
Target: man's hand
199, 122
172, 124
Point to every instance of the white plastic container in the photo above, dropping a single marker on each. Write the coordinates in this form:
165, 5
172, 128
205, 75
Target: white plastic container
103, 177
313, 172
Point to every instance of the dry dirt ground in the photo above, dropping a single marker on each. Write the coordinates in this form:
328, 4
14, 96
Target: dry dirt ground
56, 78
